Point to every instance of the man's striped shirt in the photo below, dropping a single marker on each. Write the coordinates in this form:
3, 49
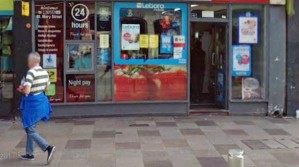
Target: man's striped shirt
38, 79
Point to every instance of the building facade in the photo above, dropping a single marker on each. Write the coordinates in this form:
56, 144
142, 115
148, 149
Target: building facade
161, 58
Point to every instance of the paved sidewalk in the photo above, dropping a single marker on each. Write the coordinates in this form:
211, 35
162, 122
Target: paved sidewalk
197, 141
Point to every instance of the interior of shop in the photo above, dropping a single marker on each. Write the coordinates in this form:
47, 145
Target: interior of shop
208, 65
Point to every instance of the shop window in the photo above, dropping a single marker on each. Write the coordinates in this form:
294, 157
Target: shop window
150, 33
103, 63
79, 57
80, 20
248, 53
6, 71
208, 11
49, 42
150, 51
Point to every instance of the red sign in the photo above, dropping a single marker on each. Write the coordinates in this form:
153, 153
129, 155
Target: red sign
241, 1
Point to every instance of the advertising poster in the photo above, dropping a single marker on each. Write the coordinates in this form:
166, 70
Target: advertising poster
179, 41
241, 60
51, 90
248, 30
49, 60
130, 37
177, 52
143, 41
52, 74
250, 88
155, 82
153, 41
104, 41
80, 88
49, 42
166, 46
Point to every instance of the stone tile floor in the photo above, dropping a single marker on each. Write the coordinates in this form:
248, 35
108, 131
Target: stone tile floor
196, 141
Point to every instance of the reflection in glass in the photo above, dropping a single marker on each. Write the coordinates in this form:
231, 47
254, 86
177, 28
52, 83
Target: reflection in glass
79, 57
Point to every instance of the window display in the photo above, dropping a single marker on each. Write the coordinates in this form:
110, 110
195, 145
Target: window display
147, 33
6, 68
248, 53
49, 42
156, 82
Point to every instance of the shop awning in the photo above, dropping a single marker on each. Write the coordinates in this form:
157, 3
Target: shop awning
6, 7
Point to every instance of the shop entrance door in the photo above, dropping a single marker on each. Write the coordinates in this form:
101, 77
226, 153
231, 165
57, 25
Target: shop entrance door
208, 55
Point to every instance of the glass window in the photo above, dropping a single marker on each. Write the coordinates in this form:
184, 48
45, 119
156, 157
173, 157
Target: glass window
150, 33
248, 53
6, 69
80, 88
208, 11
80, 57
80, 20
103, 65
49, 43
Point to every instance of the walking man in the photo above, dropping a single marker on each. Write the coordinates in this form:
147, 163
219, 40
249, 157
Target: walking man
35, 106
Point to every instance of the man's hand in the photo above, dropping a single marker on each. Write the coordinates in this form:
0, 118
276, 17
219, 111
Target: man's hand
20, 89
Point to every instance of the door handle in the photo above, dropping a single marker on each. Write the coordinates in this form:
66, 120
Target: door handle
213, 58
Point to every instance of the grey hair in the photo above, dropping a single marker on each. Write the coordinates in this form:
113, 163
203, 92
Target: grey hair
35, 57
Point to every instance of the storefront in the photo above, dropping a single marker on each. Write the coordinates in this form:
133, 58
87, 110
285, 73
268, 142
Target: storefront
118, 58
6, 70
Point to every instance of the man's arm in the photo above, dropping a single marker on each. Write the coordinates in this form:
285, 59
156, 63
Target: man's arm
28, 83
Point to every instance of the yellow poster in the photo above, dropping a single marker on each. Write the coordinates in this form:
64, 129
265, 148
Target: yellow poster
25, 8
104, 41
143, 39
52, 74
153, 41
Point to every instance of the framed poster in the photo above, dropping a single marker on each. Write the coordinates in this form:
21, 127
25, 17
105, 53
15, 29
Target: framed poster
248, 30
155, 25
241, 60
130, 37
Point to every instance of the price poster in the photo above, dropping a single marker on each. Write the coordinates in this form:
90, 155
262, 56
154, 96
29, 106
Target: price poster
143, 41
241, 60
130, 37
104, 41
248, 30
153, 41
166, 44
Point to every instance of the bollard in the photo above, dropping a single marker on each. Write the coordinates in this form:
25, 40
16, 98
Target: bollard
235, 158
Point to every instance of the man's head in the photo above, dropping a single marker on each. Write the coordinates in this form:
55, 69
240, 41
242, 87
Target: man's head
33, 59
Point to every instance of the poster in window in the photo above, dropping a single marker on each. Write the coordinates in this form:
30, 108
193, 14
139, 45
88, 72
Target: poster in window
80, 88
49, 41
49, 61
130, 37
241, 60
51, 90
166, 46
248, 30
250, 88
104, 41
52, 75
143, 41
